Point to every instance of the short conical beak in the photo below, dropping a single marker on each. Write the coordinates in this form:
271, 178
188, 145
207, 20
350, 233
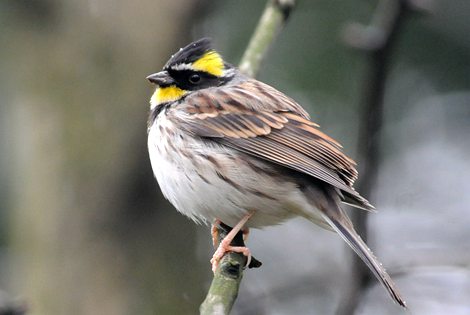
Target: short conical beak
161, 78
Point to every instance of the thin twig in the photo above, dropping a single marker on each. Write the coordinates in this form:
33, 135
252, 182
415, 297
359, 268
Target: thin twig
378, 40
271, 22
227, 278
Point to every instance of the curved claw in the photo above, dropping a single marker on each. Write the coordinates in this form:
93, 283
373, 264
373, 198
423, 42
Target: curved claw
223, 248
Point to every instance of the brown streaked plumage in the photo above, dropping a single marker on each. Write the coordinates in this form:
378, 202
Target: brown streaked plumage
273, 128
225, 147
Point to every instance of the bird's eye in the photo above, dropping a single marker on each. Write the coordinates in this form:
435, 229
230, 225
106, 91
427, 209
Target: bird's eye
194, 78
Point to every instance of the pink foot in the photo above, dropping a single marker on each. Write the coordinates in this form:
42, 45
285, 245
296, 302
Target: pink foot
225, 246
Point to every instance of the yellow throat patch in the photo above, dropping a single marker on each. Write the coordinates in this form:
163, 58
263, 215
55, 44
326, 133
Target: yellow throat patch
167, 94
211, 62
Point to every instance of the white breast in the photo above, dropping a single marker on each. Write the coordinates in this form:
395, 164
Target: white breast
206, 181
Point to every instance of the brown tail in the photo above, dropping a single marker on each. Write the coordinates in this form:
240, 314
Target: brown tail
332, 213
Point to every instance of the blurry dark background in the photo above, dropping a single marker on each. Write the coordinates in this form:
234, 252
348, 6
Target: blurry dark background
83, 227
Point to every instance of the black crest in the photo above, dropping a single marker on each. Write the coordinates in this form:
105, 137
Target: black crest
190, 53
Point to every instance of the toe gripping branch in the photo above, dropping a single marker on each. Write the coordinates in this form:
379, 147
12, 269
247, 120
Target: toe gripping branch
223, 230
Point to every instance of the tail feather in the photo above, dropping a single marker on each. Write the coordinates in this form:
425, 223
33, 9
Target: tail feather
357, 244
328, 202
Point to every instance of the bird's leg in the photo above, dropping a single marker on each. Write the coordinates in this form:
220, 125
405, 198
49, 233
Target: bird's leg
215, 232
246, 233
225, 246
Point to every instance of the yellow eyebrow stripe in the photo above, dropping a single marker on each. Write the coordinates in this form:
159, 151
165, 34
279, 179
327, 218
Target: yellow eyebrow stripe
211, 62
167, 94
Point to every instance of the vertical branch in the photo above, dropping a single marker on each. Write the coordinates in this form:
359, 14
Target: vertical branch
377, 40
227, 278
271, 22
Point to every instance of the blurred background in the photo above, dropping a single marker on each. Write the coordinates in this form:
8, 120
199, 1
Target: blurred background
84, 228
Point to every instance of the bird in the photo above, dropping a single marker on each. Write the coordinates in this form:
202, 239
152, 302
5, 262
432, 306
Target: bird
225, 147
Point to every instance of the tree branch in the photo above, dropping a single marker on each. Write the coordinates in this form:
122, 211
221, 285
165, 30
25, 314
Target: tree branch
271, 22
378, 40
8, 306
227, 278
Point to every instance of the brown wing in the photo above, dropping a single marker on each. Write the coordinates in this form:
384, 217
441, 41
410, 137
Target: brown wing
255, 118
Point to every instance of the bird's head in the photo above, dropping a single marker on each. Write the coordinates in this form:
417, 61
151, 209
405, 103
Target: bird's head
194, 67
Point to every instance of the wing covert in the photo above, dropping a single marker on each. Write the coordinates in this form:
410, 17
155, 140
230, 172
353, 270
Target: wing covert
271, 126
